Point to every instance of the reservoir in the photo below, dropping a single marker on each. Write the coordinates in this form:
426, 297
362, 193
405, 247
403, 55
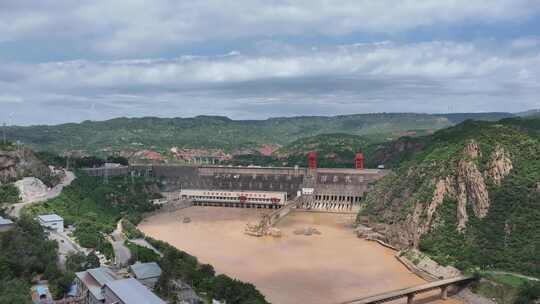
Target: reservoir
330, 267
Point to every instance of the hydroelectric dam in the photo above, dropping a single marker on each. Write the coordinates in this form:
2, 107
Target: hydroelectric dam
313, 188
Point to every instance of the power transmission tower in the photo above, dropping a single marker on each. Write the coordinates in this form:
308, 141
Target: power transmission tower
4, 131
106, 176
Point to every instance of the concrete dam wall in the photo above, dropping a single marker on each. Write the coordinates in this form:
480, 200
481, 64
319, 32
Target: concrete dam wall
323, 188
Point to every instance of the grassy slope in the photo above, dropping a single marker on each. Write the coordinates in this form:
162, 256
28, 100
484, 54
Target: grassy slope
94, 207
509, 236
218, 132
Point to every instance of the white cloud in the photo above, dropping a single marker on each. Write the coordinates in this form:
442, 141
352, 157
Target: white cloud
438, 60
388, 76
10, 99
135, 27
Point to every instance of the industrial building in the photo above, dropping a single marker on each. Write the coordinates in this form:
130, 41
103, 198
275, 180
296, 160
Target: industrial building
90, 282
103, 286
129, 291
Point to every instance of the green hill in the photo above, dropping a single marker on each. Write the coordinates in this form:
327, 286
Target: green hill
470, 196
336, 149
105, 137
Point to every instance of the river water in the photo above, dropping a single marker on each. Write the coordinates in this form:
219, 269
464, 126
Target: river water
332, 267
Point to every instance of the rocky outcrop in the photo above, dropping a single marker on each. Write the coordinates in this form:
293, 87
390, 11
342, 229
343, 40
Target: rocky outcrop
499, 165
21, 162
465, 185
8, 169
472, 188
419, 262
31, 189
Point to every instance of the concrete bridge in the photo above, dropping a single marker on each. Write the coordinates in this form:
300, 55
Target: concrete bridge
411, 292
274, 217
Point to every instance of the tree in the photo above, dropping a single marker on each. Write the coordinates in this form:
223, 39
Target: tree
15, 291
92, 261
60, 286
76, 262
529, 293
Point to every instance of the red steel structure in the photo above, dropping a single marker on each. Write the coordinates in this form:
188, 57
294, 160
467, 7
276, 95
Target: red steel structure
359, 161
312, 160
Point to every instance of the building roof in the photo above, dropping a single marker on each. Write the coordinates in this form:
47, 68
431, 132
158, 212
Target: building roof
40, 294
133, 292
50, 218
4, 221
146, 270
42, 290
102, 275
95, 278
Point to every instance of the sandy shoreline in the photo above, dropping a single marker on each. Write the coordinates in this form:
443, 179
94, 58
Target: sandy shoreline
328, 268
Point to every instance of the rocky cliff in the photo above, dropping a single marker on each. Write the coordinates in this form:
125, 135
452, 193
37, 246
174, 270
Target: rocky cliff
16, 163
464, 180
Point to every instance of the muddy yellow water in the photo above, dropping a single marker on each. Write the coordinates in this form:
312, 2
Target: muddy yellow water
332, 267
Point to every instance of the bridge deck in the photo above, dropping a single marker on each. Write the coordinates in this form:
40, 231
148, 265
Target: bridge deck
400, 293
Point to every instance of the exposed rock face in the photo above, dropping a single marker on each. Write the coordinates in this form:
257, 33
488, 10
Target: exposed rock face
18, 163
466, 185
8, 170
499, 165
472, 188
472, 150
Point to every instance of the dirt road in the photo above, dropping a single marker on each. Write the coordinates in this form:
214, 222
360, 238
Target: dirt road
15, 209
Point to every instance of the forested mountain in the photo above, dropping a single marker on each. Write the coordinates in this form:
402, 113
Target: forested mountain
468, 195
103, 137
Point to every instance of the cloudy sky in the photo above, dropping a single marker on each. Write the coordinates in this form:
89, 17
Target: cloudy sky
64, 60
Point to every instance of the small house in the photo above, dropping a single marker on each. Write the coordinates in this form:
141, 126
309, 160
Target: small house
146, 273
52, 222
6, 224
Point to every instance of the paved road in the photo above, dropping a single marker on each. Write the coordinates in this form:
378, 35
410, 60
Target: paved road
15, 209
121, 252
144, 243
65, 246
514, 274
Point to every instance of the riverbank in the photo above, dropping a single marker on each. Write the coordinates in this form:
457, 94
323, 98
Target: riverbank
332, 267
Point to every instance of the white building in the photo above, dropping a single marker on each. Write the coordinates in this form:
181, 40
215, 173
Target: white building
51, 221
6, 224
240, 198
